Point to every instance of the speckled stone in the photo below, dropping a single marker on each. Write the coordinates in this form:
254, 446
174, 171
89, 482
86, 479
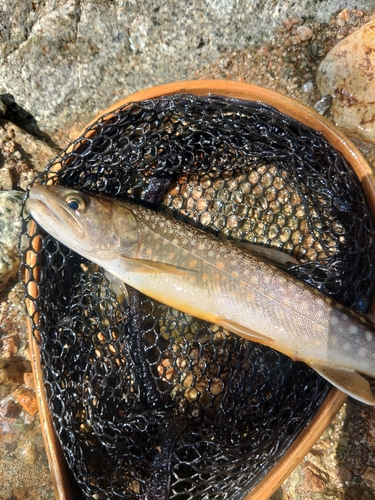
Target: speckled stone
10, 227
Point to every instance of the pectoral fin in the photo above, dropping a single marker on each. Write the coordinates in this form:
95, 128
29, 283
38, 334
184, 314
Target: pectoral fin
118, 287
347, 381
277, 257
149, 266
244, 332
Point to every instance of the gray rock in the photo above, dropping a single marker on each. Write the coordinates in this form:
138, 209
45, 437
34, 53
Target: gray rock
64, 60
10, 227
323, 105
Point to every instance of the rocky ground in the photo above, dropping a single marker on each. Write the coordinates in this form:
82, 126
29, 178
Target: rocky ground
341, 466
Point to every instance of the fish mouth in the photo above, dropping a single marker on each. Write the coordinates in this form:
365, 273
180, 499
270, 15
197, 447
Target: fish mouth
53, 215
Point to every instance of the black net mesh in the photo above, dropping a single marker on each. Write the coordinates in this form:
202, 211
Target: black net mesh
149, 402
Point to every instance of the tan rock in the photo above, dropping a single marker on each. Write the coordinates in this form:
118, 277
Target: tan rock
290, 22
344, 14
9, 345
304, 33
348, 74
28, 380
26, 398
312, 482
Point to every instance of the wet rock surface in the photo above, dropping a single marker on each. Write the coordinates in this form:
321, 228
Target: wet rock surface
341, 466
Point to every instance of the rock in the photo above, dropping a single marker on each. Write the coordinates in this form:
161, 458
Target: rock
307, 87
16, 296
28, 380
9, 409
289, 22
324, 104
9, 345
26, 398
343, 16
370, 431
6, 181
10, 227
358, 493
11, 371
64, 61
369, 477
24, 156
30, 453
312, 482
347, 73
304, 33
344, 474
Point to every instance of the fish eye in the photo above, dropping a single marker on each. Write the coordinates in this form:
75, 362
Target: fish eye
75, 203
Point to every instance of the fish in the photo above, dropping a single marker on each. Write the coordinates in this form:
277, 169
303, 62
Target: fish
213, 279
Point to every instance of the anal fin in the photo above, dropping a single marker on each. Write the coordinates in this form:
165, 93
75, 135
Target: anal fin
350, 382
244, 332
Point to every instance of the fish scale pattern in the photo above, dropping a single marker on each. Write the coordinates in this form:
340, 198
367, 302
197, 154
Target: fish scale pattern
149, 403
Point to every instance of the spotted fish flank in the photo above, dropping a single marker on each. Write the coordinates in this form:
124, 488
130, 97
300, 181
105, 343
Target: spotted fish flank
214, 280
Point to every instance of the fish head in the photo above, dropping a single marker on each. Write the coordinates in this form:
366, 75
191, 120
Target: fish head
90, 225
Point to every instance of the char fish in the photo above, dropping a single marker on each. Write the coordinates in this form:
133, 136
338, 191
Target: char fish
213, 280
